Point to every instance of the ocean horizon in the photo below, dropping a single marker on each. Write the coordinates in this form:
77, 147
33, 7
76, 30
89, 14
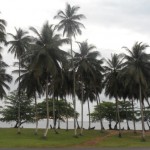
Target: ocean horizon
96, 125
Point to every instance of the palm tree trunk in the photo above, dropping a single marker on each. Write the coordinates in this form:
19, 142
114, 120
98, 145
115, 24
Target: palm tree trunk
101, 121
58, 124
128, 128
133, 117
81, 132
74, 100
19, 132
78, 127
54, 114
118, 115
47, 110
142, 115
66, 115
36, 115
54, 125
99, 116
89, 115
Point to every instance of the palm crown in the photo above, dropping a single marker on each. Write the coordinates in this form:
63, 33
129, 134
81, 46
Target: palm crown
69, 21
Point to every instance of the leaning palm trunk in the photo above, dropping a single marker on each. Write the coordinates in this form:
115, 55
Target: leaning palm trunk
118, 116
133, 117
89, 115
81, 131
47, 109
142, 116
74, 100
36, 116
19, 121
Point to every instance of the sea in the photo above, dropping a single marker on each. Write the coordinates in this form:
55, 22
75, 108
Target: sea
96, 125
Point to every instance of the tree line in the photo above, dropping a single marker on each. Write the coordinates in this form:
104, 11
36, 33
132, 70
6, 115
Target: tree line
45, 68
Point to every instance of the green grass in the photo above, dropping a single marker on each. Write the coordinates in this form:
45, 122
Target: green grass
129, 139
10, 139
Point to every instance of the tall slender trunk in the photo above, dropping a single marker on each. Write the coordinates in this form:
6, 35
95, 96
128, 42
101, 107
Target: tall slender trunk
74, 100
54, 125
101, 121
133, 117
142, 115
99, 115
118, 116
89, 115
81, 131
66, 115
126, 111
78, 127
47, 109
19, 132
58, 124
36, 115
56, 116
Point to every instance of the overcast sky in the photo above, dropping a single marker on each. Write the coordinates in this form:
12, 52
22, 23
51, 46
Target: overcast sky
109, 24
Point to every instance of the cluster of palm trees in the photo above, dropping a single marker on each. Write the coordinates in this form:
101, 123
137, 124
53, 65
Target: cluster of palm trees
45, 69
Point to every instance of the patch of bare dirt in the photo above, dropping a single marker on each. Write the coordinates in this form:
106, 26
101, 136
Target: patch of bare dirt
96, 140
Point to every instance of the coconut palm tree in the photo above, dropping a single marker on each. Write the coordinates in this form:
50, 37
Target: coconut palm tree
4, 78
31, 85
112, 82
47, 58
86, 64
19, 44
137, 68
69, 23
2, 31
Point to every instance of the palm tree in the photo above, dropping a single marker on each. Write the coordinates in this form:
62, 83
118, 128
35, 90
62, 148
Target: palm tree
137, 68
47, 58
112, 81
4, 77
31, 85
2, 31
19, 44
69, 23
86, 64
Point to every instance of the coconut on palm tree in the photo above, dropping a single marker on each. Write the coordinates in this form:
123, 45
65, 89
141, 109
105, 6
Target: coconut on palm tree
70, 24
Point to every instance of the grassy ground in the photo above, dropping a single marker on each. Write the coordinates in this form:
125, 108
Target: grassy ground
10, 139
129, 139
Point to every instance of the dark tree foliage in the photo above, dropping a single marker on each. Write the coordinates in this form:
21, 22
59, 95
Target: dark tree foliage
61, 107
